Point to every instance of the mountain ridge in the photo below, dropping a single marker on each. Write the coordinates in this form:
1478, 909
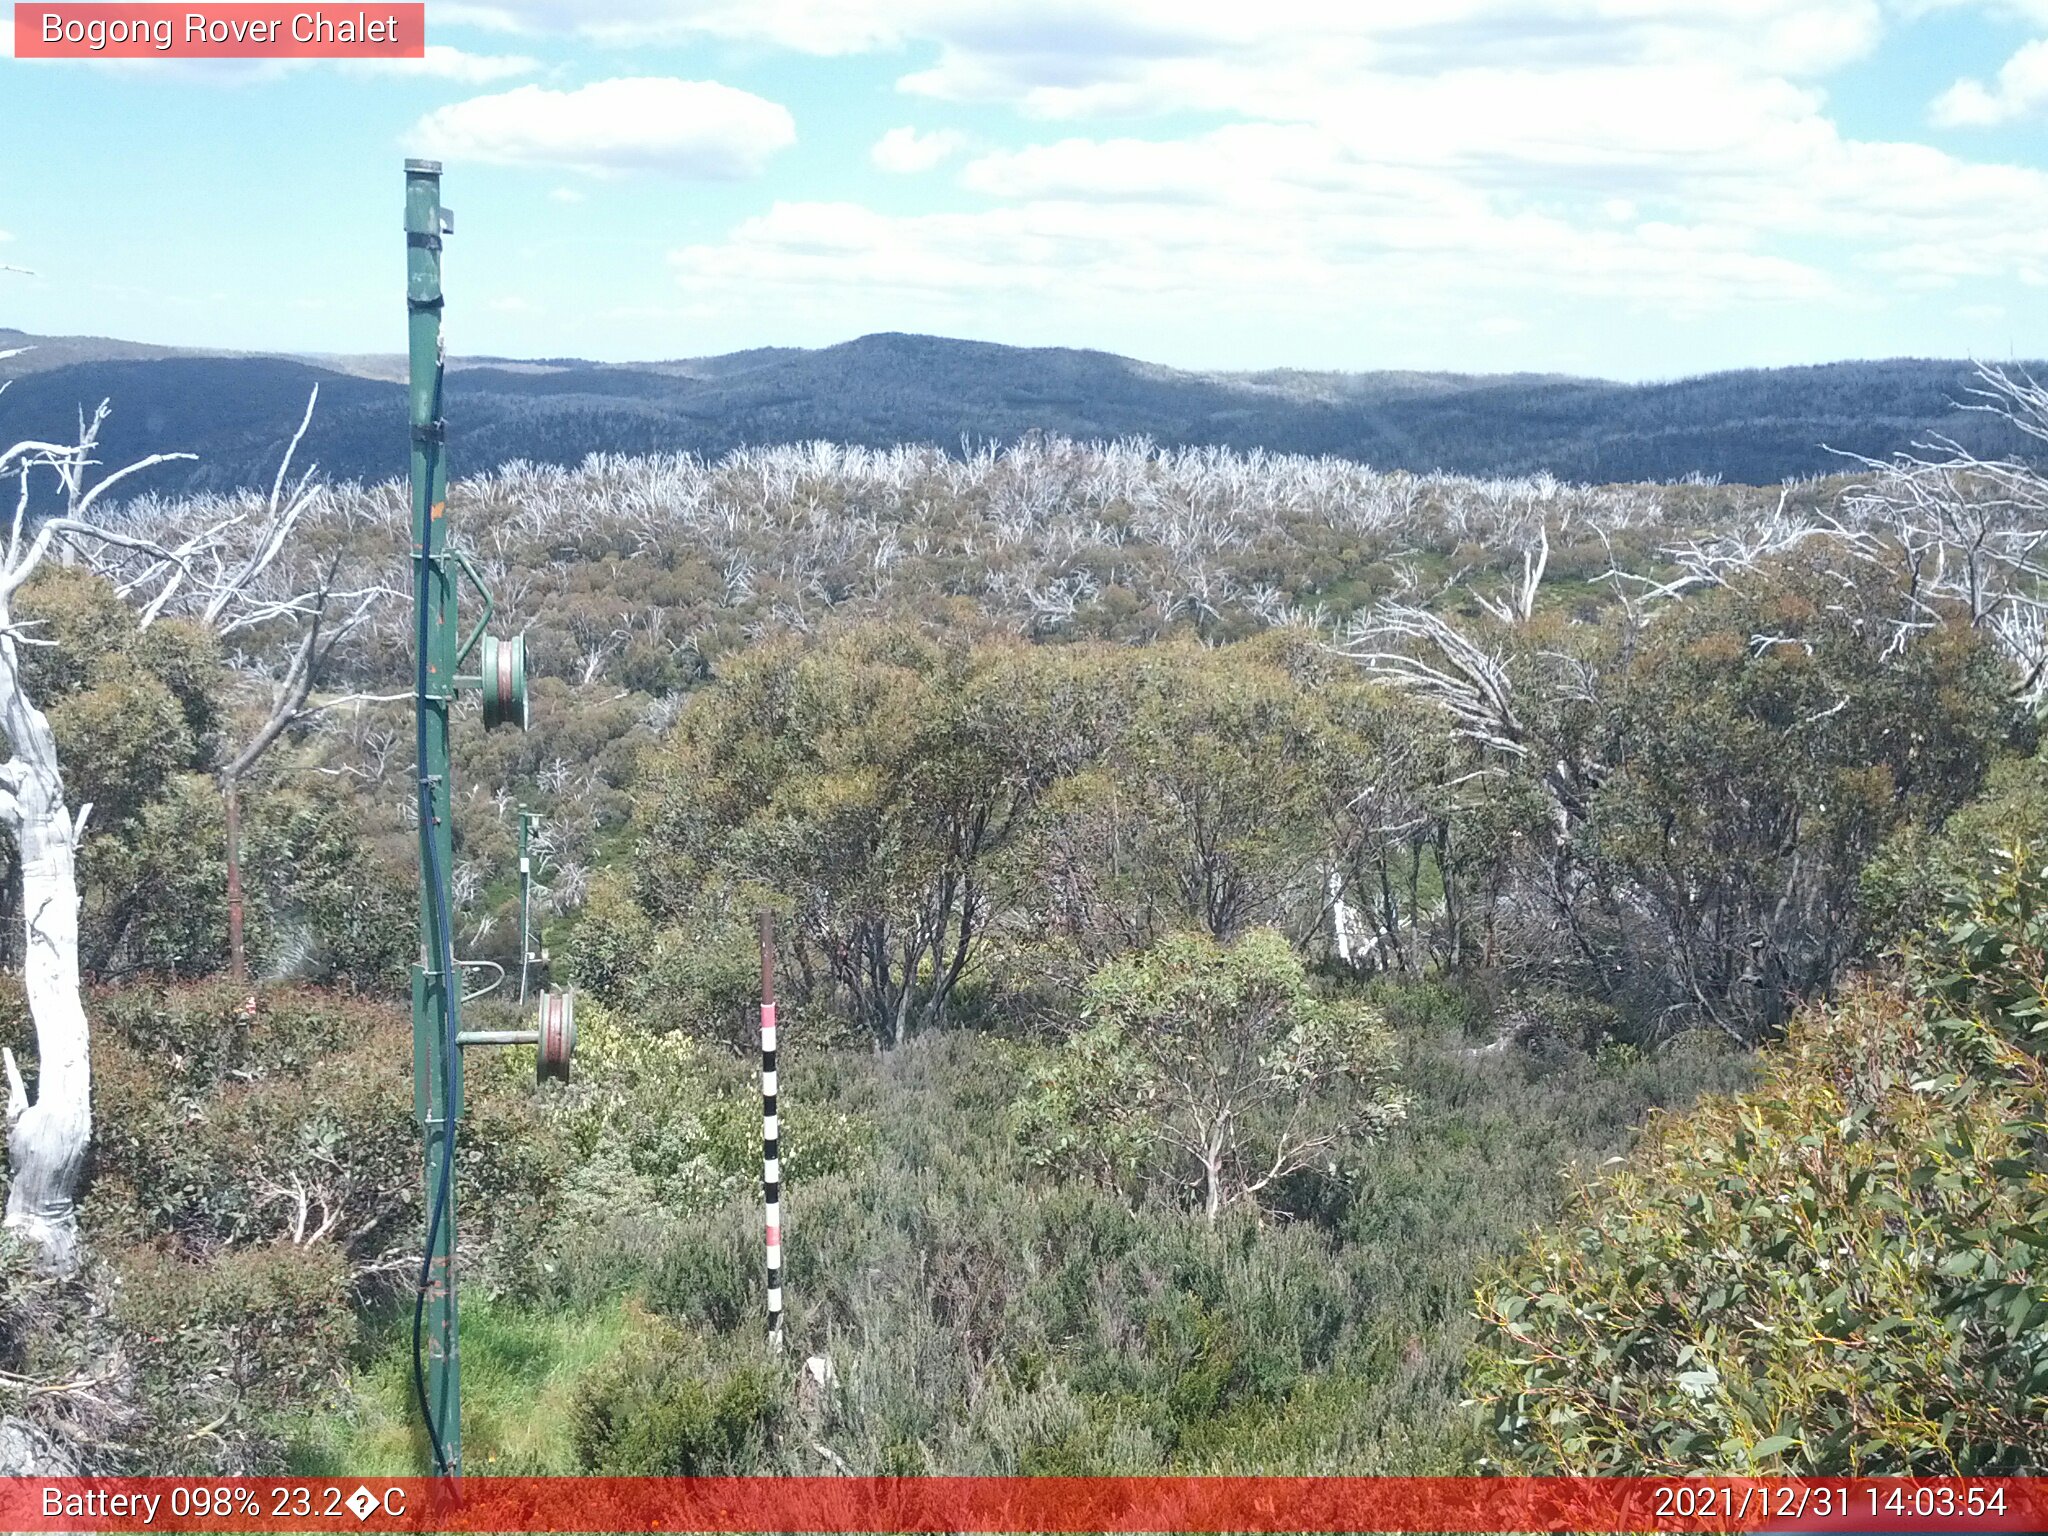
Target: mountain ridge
236, 409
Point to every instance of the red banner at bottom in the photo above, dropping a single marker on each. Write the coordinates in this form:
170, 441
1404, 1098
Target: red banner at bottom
882, 1504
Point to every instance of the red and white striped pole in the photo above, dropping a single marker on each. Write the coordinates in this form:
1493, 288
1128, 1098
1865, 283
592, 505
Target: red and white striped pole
771, 1131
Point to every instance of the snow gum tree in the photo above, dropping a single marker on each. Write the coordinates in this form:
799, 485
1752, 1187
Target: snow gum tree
48, 1136
1214, 1073
223, 575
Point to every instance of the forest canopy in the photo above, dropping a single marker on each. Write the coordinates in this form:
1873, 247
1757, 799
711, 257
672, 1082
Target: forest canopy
1217, 894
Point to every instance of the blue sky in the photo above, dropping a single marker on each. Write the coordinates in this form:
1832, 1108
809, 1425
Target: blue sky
1630, 188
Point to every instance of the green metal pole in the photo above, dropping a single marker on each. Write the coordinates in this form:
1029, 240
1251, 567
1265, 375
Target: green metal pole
436, 990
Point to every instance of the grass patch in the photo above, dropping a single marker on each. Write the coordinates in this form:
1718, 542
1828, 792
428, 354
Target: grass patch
520, 1370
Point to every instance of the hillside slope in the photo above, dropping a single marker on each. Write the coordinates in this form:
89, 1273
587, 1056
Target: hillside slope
1754, 427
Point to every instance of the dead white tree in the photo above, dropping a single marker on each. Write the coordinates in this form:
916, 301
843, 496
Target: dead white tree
1497, 690
244, 588
1520, 608
1965, 533
1423, 653
47, 1137
225, 574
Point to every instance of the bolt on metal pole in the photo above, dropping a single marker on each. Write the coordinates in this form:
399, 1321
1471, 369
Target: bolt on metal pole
436, 985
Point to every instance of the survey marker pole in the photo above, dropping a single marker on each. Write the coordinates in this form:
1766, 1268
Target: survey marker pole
771, 1134
436, 983
527, 957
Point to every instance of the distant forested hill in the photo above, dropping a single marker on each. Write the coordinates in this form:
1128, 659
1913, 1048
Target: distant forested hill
234, 411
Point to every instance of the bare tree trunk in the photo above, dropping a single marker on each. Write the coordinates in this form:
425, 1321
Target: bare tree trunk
237, 966
1340, 915
47, 1139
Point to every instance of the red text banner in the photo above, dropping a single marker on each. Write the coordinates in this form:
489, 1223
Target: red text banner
217, 31
863, 1504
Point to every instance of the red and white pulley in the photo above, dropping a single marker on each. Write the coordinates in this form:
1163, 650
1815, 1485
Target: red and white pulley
557, 1035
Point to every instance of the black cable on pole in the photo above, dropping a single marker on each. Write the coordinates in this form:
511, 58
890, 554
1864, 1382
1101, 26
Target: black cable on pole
446, 960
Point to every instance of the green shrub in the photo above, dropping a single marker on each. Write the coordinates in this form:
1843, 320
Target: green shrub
612, 940
985, 1316
224, 1125
713, 1271
655, 1411
1212, 1069
706, 982
1902, 888
328, 904
659, 1131
1838, 1272
248, 1334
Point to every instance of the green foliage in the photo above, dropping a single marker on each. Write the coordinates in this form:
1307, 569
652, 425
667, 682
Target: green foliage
255, 1331
709, 1273
146, 1362
255, 1182
652, 1412
612, 941
702, 979
1216, 789
228, 1127
1213, 1070
1838, 1272
938, 812
873, 784
1753, 750
1677, 835
1206, 808
327, 902
163, 882
997, 1230
125, 702
522, 1372
983, 1316
1903, 887
133, 711
138, 714
660, 1130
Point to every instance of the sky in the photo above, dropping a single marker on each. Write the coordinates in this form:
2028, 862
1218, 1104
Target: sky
1635, 189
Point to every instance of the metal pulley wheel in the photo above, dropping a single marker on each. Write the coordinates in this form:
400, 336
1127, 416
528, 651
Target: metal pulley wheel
557, 1035
503, 676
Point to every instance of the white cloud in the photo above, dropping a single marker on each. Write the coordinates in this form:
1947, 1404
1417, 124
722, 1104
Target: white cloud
1438, 256
439, 62
1012, 50
1296, 58
905, 151
446, 63
688, 127
565, 195
809, 26
1454, 159
2020, 90
1449, 191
